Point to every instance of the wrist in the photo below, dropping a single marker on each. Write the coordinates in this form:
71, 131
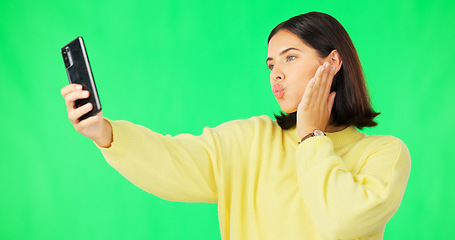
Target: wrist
314, 133
307, 130
105, 138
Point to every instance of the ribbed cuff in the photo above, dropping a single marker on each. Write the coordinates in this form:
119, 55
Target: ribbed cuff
119, 144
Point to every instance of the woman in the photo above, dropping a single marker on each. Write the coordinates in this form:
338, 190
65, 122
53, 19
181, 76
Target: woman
309, 175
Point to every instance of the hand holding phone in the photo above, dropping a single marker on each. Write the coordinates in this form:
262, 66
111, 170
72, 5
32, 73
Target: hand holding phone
81, 98
96, 128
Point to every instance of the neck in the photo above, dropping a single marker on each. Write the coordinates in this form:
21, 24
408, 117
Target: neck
331, 128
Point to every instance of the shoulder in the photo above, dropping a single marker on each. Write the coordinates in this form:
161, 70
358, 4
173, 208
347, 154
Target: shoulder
382, 140
257, 122
251, 128
386, 144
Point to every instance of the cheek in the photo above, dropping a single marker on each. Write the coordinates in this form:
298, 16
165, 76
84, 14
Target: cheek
300, 90
301, 80
305, 74
305, 69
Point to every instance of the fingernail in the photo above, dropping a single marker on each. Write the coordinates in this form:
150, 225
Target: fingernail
321, 68
78, 87
85, 93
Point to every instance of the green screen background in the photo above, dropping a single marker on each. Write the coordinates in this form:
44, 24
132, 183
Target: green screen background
178, 66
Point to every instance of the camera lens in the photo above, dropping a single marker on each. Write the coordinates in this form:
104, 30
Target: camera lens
67, 57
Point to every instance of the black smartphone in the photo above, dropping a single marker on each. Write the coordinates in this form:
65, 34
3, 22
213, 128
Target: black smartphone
79, 72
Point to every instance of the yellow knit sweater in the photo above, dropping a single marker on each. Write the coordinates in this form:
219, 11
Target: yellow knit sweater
345, 185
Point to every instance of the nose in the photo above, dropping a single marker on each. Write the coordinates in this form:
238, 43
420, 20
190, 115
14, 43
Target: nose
276, 74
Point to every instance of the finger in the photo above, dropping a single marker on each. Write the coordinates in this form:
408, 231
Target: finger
308, 94
317, 82
330, 74
69, 88
321, 94
75, 114
325, 74
89, 121
70, 98
330, 79
318, 76
330, 101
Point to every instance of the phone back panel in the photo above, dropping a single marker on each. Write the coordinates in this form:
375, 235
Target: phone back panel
79, 71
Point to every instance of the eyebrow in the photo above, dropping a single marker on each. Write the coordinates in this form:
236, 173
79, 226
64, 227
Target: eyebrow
283, 52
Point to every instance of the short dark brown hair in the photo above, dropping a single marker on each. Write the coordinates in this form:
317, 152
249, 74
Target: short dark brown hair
324, 33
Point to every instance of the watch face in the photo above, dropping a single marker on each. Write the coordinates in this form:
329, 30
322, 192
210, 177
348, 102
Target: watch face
318, 133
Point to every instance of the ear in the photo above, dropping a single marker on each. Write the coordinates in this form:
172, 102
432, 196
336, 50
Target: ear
334, 59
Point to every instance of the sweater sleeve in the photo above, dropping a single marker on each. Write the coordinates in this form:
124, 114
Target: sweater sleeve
345, 204
180, 168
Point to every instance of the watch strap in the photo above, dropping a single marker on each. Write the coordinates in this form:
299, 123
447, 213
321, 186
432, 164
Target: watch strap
312, 134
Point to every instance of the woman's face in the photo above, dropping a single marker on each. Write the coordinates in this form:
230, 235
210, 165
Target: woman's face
292, 63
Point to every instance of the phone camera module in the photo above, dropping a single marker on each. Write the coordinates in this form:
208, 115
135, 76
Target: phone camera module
67, 57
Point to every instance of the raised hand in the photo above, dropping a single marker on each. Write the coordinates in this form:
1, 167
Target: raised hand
96, 127
313, 112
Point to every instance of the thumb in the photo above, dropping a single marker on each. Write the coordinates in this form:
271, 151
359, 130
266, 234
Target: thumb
330, 101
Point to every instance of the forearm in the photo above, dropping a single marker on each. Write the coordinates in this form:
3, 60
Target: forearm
174, 168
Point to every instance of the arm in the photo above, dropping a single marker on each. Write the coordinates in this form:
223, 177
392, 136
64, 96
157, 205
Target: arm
346, 204
180, 168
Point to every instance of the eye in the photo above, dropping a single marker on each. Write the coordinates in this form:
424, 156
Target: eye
290, 58
271, 66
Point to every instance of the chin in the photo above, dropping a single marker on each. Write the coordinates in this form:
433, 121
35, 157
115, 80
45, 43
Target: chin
287, 106
288, 109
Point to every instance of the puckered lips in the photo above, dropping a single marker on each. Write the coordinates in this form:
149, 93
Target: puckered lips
278, 90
